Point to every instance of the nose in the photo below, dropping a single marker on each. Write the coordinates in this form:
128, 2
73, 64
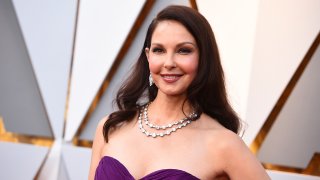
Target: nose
169, 62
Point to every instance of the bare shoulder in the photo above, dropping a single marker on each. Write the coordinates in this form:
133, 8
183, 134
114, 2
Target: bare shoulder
101, 123
224, 141
97, 146
229, 152
218, 134
227, 139
99, 138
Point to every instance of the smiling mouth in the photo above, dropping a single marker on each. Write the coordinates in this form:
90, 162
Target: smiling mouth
170, 78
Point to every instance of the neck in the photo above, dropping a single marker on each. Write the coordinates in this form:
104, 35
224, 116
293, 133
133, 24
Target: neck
166, 109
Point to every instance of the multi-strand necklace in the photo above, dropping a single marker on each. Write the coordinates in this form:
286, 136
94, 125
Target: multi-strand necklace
165, 129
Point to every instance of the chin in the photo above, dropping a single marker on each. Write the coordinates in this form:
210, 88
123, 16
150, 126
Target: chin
174, 92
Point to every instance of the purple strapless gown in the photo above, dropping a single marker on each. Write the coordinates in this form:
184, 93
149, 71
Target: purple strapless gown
110, 168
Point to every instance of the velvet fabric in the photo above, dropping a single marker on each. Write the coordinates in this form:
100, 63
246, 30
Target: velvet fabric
112, 169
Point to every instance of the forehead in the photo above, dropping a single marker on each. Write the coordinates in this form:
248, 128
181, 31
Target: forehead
171, 30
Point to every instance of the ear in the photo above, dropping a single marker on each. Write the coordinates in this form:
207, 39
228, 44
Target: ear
147, 50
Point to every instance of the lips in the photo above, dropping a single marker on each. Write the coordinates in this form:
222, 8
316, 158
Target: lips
171, 78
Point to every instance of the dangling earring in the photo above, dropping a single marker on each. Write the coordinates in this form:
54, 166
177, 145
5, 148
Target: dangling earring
150, 80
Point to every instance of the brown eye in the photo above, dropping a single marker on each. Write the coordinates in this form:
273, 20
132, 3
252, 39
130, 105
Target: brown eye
184, 51
157, 50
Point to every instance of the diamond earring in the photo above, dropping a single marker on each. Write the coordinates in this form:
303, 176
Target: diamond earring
150, 80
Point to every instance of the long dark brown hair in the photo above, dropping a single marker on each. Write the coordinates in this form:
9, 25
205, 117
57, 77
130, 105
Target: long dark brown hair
206, 93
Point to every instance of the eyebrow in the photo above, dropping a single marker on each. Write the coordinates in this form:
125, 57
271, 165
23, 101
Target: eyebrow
179, 44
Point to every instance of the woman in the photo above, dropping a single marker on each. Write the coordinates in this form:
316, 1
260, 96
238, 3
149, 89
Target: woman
174, 120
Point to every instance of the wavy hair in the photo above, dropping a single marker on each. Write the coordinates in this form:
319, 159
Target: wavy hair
206, 93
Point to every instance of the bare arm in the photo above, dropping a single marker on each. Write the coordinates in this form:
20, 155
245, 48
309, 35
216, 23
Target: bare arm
239, 162
97, 146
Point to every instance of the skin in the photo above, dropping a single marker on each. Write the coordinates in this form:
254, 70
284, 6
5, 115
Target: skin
204, 148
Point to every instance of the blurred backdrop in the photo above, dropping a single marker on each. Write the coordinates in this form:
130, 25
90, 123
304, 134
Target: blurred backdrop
61, 63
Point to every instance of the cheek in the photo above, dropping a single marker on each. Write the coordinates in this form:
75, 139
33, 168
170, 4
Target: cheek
190, 66
154, 65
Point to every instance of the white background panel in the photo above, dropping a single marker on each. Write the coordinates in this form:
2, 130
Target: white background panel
234, 26
277, 175
50, 168
285, 31
294, 136
102, 29
77, 161
261, 44
63, 173
20, 161
105, 105
48, 28
21, 104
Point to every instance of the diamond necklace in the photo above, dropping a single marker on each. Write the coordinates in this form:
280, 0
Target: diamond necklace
173, 126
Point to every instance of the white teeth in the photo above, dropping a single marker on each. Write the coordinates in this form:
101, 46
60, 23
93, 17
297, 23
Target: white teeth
170, 77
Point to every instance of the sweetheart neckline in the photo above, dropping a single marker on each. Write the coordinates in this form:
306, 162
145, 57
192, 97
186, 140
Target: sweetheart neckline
156, 171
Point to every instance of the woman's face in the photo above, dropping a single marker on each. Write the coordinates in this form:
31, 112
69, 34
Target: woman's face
173, 57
